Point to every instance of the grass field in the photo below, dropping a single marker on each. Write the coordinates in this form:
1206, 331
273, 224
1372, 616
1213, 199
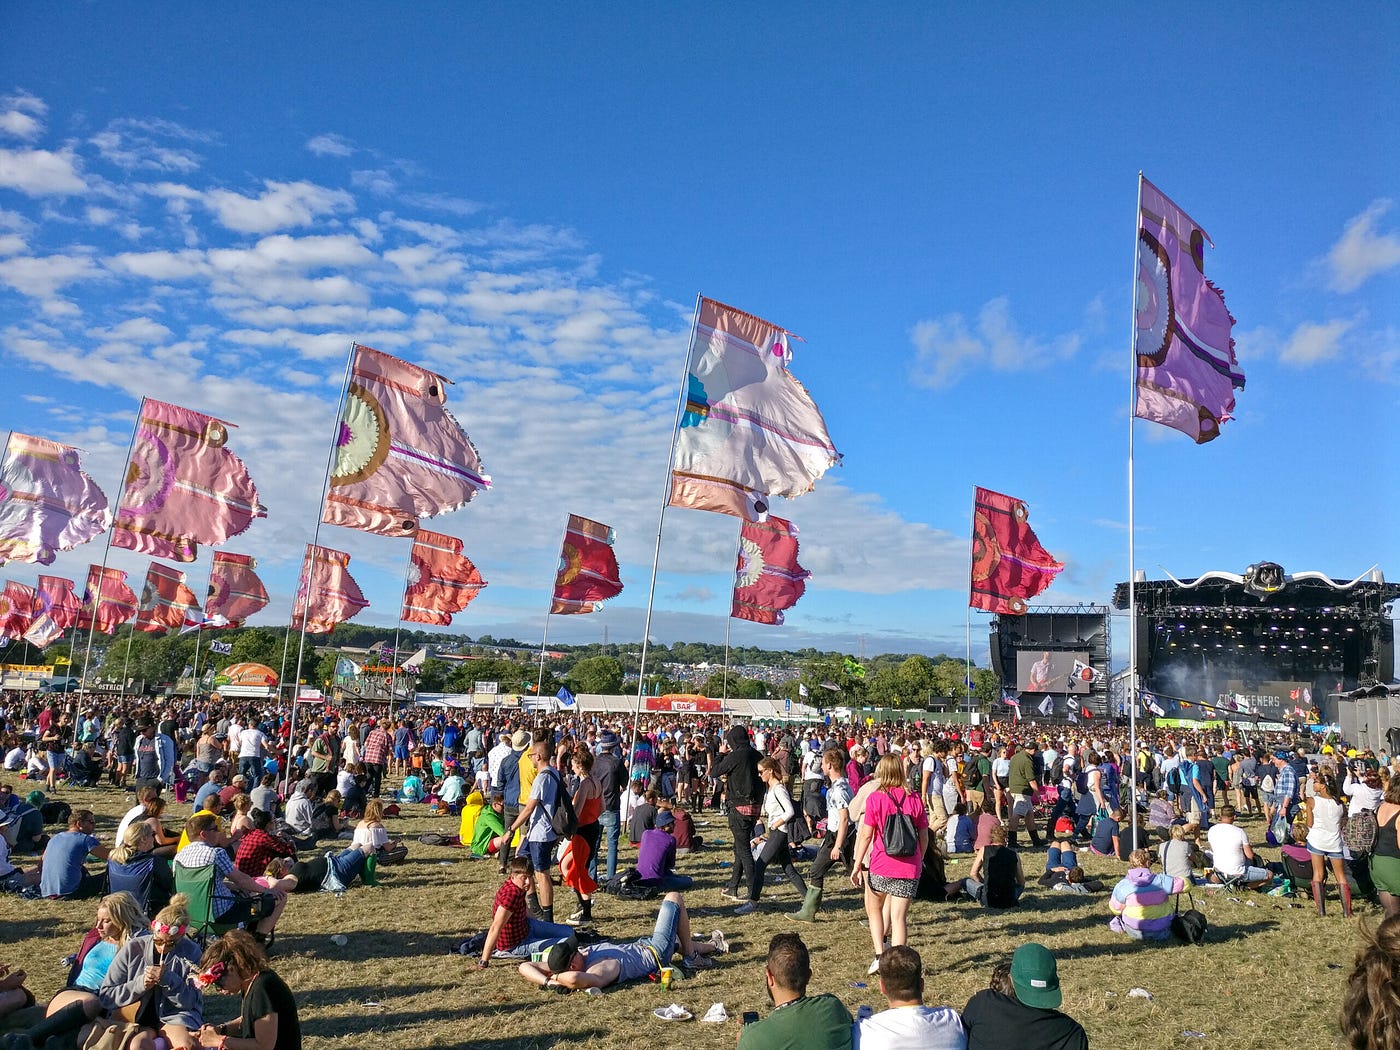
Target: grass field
1269, 975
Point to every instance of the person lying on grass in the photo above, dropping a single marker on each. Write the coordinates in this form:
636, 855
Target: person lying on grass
567, 966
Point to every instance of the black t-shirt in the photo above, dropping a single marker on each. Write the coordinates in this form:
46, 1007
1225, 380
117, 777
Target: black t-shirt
269, 994
994, 1021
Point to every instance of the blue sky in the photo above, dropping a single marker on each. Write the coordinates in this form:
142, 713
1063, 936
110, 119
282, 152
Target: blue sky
207, 207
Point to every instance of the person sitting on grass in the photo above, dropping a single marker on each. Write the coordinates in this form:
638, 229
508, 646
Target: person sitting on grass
268, 1019
490, 824
814, 1022
1107, 840
61, 871
514, 934
259, 845
164, 963
134, 862
908, 1022
996, 879
656, 855
1231, 853
1019, 1008
567, 967
1143, 903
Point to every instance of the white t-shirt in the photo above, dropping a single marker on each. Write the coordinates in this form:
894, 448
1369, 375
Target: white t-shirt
134, 813
251, 743
1227, 843
911, 1028
374, 836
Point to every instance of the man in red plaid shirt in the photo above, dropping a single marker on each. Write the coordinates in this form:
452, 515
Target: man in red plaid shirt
257, 846
513, 934
374, 754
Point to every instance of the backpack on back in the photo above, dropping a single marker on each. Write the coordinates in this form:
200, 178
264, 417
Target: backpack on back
563, 819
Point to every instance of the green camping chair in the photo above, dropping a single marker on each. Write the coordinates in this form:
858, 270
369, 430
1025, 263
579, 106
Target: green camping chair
198, 885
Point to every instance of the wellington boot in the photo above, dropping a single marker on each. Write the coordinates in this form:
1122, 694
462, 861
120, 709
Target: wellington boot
1319, 890
71, 1018
1346, 897
808, 912
369, 874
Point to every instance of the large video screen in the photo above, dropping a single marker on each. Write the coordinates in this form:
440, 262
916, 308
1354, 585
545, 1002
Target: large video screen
1042, 671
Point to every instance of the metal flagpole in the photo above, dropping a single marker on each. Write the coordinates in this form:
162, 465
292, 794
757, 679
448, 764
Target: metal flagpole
539, 682
398, 626
728, 622
661, 518
194, 677
308, 562
1132, 682
967, 618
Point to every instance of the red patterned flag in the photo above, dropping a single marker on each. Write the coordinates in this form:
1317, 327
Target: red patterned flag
441, 580
767, 579
334, 595
167, 603
55, 610
400, 455
116, 602
1008, 563
235, 592
16, 609
183, 487
47, 502
588, 572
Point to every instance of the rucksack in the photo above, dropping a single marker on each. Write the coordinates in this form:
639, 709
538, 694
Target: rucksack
56, 812
1174, 781
900, 837
1057, 771
563, 819
1189, 925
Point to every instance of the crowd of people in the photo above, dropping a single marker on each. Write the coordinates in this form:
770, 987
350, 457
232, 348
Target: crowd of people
276, 812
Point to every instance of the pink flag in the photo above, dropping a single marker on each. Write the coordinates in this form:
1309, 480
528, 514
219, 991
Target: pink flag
167, 603
441, 580
334, 595
235, 592
47, 503
767, 579
1187, 372
55, 610
16, 609
116, 602
183, 487
588, 573
400, 455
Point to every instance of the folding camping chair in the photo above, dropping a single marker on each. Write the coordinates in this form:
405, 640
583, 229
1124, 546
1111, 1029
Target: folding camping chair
198, 885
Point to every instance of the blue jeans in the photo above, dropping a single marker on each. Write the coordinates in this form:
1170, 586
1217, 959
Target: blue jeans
973, 889
609, 822
1064, 806
539, 937
348, 864
252, 769
1058, 858
664, 933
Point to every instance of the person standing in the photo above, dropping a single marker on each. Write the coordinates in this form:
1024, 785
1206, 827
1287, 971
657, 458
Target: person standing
1326, 821
1022, 785
778, 815
375, 756
537, 818
838, 842
739, 770
893, 877
611, 776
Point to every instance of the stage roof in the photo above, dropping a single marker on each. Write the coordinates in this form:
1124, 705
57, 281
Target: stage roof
1264, 587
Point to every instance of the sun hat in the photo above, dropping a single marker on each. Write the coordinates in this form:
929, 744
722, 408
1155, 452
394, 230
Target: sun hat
607, 739
1035, 976
664, 819
521, 739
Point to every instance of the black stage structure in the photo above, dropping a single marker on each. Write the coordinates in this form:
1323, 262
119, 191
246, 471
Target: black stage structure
1065, 637
1263, 644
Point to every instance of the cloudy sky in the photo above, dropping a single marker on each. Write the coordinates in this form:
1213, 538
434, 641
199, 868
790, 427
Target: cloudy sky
940, 202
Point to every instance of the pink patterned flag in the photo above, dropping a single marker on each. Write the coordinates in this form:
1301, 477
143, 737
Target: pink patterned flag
334, 595
183, 487
1187, 372
400, 455
750, 430
588, 573
55, 610
767, 579
47, 502
167, 603
16, 609
235, 592
441, 580
116, 602
1008, 563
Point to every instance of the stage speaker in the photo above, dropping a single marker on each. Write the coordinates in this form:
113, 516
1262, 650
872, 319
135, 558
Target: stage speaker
994, 649
1385, 652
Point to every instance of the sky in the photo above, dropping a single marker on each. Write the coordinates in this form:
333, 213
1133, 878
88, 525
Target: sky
940, 200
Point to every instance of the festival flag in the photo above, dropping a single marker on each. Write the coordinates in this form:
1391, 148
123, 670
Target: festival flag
441, 580
16, 609
750, 430
399, 454
235, 591
48, 503
167, 603
221, 648
767, 578
565, 697
588, 573
1047, 706
1149, 701
853, 667
183, 487
1074, 718
1010, 699
1187, 372
802, 691
115, 601
1008, 563
1085, 711
55, 610
334, 596
1084, 673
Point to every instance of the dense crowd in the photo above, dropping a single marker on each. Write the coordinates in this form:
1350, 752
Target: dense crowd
277, 811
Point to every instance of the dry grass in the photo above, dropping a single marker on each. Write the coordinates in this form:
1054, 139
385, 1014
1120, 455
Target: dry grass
1268, 976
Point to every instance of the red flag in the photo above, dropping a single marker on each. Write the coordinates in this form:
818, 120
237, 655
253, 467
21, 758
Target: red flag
116, 602
16, 609
588, 572
334, 595
767, 578
1008, 563
55, 610
441, 580
167, 603
235, 592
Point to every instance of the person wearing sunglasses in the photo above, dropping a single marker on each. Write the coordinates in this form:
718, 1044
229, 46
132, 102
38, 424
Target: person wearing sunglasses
237, 965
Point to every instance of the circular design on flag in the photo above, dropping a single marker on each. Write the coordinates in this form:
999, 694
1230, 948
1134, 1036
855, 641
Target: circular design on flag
68, 458
363, 443
750, 566
570, 563
149, 476
986, 555
417, 572
7, 607
215, 434
45, 555
218, 591
1154, 302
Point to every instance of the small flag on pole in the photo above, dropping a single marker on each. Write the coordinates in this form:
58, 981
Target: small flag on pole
221, 648
1047, 706
1084, 673
565, 697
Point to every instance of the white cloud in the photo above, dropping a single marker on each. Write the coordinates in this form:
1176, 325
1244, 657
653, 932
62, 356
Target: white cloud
11, 244
282, 204
150, 145
376, 181
330, 145
1362, 252
41, 277
1312, 343
22, 116
948, 347
40, 172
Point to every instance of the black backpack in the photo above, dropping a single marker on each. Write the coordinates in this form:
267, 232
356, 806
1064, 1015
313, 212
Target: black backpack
563, 819
1057, 771
1189, 925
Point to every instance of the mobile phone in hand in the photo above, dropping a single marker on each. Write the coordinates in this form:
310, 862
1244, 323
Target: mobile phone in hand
750, 1017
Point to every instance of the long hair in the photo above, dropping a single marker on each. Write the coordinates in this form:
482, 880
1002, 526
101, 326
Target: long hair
1370, 1018
130, 844
125, 912
890, 773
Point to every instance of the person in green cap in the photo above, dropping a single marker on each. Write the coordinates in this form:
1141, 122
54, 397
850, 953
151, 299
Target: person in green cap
1019, 1007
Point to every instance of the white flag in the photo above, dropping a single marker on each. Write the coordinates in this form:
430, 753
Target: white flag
1047, 706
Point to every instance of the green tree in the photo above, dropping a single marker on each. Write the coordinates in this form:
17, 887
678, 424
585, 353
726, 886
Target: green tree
259, 645
597, 674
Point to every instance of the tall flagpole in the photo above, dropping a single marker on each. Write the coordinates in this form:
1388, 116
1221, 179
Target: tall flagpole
308, 563
1132, 685
967, 620
398, 626
729, 621
539, 682
661, 518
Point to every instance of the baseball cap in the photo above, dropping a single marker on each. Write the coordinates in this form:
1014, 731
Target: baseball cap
607, 739
1283, 755
557, 959
1035, 976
